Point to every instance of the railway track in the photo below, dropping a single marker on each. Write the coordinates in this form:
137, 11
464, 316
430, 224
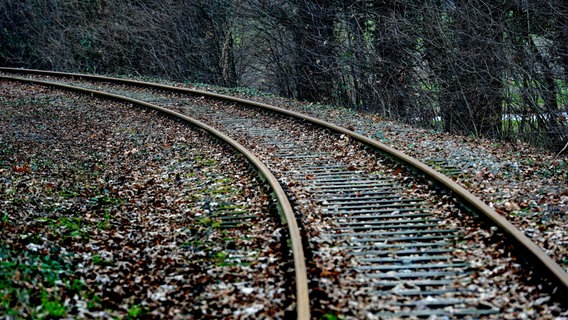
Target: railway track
208, 208
374, 230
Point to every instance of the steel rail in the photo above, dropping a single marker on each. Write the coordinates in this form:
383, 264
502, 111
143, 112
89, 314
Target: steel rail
551, 270
284, 206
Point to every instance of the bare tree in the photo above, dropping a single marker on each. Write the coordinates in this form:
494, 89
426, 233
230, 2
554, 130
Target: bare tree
476, 67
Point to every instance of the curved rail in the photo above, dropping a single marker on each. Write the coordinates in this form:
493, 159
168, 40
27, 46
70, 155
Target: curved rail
285, 208
554, 272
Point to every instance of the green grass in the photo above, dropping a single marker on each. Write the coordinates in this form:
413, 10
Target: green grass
221, 258
99, 261
204, 162
35, 286
331, 316
136, 312
209, 223
105, 223
68, 227
51, 307
47, 275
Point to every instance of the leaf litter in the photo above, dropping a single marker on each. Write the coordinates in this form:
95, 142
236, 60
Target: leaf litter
111, 211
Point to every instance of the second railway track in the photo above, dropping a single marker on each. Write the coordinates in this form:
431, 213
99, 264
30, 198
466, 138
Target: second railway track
381, 242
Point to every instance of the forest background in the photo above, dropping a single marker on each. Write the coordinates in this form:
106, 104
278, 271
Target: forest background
497, 69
